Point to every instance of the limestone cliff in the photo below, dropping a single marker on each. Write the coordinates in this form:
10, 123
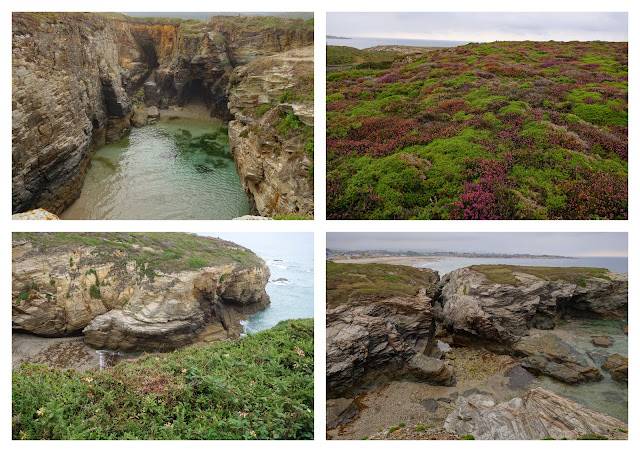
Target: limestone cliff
76, 76
68, 98
272, 134
152, 291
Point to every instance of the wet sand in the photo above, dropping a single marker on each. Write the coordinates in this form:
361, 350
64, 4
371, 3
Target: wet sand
58, 352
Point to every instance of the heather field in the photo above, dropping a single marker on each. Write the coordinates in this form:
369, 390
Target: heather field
505, 130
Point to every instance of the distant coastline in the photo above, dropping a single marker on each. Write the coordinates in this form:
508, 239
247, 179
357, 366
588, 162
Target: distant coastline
336, 37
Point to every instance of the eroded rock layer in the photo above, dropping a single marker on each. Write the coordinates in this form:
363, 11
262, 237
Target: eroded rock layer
134, 291
538, 414
272, 134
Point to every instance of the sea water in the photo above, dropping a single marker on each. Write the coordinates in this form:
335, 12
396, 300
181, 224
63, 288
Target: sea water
289, 257
161, 172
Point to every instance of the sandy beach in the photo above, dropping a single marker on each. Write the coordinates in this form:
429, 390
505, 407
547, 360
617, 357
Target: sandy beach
394, 260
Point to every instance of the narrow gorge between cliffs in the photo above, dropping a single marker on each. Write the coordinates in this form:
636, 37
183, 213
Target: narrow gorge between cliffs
120, 117
179, 168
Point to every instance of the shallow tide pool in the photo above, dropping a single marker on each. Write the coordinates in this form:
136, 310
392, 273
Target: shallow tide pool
177, 169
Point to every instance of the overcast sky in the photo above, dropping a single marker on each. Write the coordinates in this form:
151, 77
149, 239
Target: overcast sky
273, 243
481, 27
554, 243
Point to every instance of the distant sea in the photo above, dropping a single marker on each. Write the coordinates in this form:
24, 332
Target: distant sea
292, 296
446, 265
364, 43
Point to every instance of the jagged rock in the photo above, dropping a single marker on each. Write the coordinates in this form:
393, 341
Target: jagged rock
477, 309
617, 365
536, 415
340, 411
372, 341
154, 112
272, 161
70, 287
547, 354
602, 341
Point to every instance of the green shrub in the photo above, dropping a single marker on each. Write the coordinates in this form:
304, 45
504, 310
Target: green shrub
259, 387
197, 263
94, 291
468, 437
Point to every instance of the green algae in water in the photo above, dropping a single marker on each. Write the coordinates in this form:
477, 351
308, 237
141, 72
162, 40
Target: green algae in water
177, 169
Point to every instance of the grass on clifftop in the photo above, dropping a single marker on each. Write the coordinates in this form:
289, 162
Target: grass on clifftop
352, 281
338, 55
504, 274
169, 252
260, 387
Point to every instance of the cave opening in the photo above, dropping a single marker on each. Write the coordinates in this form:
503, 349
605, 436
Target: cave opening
195, 92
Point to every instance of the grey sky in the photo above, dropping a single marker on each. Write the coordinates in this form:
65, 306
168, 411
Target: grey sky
555, 243
481, 27
274, 243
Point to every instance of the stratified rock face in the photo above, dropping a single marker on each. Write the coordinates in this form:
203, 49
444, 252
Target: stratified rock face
370, 342
272, 135
111, 292
499, 313
67, 97
536, 415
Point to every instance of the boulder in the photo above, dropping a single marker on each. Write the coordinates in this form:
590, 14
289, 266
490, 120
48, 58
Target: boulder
139, 118
618, 366
154, 112
538, 414
602, 341
545, 353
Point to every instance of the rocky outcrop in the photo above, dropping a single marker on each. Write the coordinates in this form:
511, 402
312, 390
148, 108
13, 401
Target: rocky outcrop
544, 352
510, 316
111, 290
76, 76
479, 309
67, 98
271, 136
538, 414
372, 342
618, 366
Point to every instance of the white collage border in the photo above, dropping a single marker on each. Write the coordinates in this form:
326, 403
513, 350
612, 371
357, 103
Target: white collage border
320, 226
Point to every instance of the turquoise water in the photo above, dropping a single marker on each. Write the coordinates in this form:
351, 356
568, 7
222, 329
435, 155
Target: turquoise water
607, 396
160, 172
290, 260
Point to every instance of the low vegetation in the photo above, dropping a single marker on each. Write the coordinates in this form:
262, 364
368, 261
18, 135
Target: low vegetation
342, 55
260, 387
353, 281
167, 252
504, 130
504, 274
